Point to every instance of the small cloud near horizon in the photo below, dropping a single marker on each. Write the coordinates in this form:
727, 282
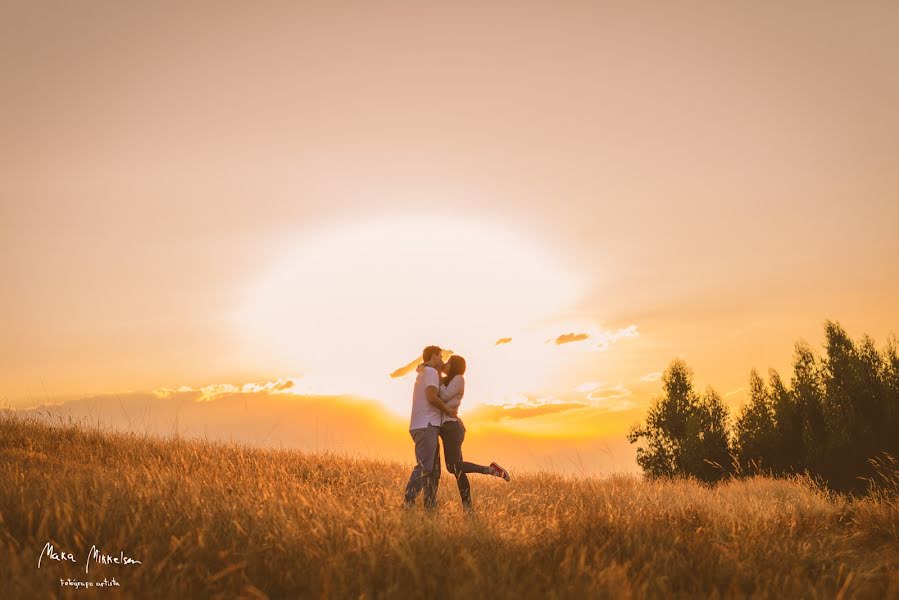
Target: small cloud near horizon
611, 397
567, 338
608, 337
602, 339
596, 395
500, 413
653, 376
210, 392
504, 340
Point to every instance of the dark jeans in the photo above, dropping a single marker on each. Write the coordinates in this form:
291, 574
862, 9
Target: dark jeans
426, 473
453, 434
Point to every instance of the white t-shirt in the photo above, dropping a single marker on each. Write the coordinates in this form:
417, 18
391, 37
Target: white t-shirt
452, 395
423, 412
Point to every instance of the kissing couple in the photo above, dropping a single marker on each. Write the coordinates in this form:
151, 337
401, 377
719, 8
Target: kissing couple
435, 405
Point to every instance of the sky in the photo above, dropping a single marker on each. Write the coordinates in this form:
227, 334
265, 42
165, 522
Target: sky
222, 196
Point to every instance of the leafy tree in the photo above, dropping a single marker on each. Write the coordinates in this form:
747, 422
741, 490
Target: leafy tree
889, 433
755, 439
857, 406
838, 420
878, 429
685, 434
807, 394
713, 459
789, 451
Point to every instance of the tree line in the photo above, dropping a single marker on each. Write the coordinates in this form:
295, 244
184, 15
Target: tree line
836, 419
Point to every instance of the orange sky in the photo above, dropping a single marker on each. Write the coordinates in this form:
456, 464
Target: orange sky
224, 194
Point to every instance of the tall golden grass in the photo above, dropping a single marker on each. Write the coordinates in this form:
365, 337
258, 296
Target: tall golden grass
209, 519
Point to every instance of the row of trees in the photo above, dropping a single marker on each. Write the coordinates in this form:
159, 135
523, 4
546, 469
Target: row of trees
838, 412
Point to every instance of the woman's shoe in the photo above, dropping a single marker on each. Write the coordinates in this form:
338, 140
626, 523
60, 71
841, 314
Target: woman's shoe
498, 471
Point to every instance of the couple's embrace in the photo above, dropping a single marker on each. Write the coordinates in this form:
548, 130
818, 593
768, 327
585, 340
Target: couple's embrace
435, 405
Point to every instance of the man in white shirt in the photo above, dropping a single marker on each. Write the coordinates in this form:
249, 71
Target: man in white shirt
424, 427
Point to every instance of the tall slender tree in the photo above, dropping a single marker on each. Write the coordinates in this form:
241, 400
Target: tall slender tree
754, 431
684, 434
789, 449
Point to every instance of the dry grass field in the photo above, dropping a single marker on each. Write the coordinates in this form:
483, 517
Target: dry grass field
214, 520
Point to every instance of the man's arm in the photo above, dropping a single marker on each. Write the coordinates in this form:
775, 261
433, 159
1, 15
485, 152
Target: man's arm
452, 394
434, 399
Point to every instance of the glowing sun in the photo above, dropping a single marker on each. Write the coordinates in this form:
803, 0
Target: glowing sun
347, 306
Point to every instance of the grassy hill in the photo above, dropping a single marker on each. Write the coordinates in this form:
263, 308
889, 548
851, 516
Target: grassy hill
214, 520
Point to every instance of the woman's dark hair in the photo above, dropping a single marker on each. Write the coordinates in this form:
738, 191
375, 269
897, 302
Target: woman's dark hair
455, 366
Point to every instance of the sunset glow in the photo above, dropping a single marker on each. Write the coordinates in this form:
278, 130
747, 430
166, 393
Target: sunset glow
350, 305
279, 206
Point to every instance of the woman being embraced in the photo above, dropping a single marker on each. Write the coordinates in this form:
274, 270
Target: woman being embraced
452, 432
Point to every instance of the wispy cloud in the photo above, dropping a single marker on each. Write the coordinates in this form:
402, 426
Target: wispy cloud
524, 411
567, 338
501, 341
587, 386
596, 395
653, 376
610, 397
600, 339
286, 385
608, 337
